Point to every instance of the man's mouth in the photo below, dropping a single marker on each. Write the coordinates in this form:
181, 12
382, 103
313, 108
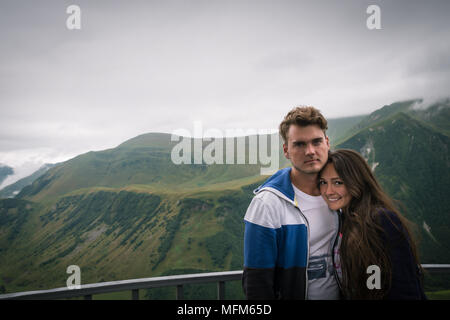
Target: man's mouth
311, 161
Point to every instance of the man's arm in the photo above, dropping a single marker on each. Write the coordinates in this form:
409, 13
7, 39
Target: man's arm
260, 252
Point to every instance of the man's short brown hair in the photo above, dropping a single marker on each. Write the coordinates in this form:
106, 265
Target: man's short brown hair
302, 116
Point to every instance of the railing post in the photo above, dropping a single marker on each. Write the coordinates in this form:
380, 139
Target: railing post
180, 295
220, 290
135, 294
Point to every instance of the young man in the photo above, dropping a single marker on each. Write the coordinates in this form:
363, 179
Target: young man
290, 234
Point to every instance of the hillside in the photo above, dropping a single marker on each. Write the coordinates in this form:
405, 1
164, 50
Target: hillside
131, 166
119, 235
436, 115
339, 128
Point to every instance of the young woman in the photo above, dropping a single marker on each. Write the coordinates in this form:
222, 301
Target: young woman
373, 232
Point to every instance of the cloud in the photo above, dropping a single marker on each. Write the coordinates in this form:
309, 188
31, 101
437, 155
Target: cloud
430, 62
157, 66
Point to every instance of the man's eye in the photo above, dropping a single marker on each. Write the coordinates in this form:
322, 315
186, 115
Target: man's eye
299, 144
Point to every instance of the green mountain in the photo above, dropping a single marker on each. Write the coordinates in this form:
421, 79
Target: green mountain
339, 128
436, 115
385, 112
142, 163
130, 212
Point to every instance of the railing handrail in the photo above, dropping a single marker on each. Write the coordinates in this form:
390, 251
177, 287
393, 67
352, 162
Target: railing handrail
88, 290
441, 268
124, 285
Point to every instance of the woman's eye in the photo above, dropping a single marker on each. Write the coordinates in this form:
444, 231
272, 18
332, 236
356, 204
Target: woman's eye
322, 182
338, 183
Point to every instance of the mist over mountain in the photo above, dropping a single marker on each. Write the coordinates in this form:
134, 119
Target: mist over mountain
436, 114
13, 189
130, 212
5, 171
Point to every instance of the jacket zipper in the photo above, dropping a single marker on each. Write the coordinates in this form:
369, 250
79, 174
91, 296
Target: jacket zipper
332, 251
307, 253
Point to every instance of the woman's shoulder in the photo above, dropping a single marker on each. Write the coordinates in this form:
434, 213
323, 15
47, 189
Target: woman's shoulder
388, 216
391, 223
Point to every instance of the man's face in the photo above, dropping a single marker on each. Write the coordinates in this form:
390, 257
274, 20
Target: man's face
307, 148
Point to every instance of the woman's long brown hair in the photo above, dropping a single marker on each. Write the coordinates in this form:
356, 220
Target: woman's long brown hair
362, 231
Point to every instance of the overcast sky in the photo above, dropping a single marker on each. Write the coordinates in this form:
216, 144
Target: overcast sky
157, 66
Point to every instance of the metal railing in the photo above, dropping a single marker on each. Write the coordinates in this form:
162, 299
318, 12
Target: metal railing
135, 285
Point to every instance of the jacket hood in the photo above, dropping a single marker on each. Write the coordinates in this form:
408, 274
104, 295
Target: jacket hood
280, 181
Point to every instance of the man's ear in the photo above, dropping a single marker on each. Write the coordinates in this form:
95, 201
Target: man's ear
285, 150
328, 142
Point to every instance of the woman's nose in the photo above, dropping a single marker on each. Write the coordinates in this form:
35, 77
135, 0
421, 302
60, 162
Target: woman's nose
330, 189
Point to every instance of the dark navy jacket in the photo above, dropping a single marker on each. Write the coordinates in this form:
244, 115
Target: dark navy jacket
406, 279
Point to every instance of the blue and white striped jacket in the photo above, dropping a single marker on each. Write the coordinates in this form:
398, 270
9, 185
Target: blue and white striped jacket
276, 242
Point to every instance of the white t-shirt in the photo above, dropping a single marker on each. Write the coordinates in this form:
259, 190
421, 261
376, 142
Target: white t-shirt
323, 226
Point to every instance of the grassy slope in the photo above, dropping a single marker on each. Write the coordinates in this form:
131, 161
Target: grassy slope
127, 238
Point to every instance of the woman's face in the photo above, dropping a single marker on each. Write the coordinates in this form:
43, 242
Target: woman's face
332, 188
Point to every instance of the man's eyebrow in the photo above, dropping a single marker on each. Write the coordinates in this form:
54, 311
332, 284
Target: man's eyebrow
312, 140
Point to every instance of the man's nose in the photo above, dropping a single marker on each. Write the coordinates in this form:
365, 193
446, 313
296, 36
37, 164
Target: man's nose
310, 149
